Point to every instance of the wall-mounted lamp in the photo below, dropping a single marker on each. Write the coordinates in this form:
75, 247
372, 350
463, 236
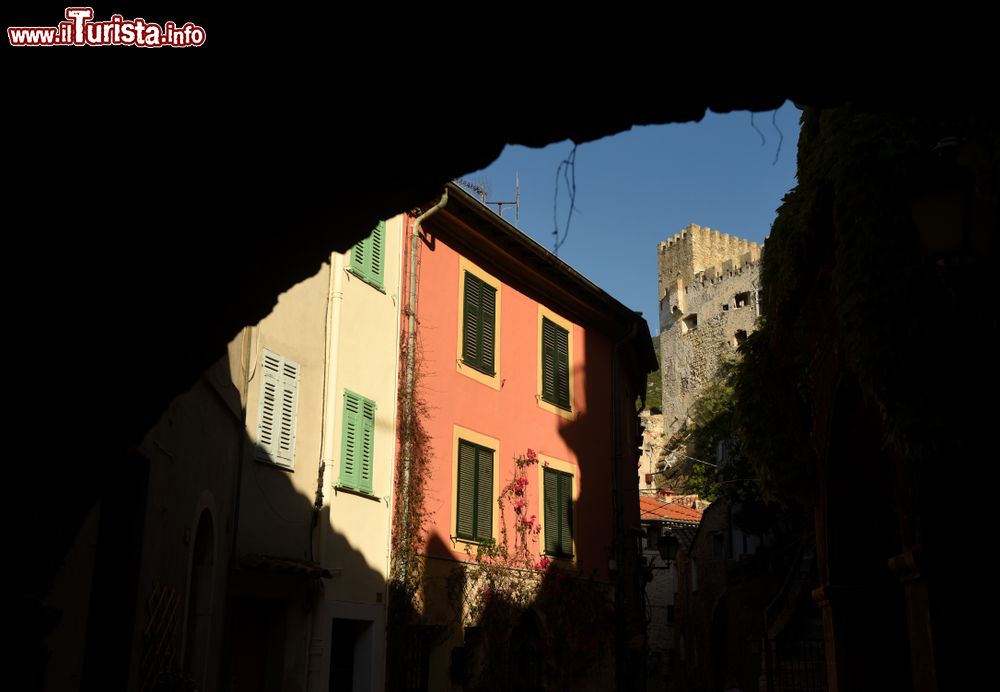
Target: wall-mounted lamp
667, 545
954, 222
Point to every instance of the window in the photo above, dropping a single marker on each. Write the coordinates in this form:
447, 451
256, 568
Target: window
368, 257
474, 513
279, 400
558, 513
357, 443
555, 364
479, 300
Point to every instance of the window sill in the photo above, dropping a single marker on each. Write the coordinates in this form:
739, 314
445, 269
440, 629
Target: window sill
561, 557
566, 413
351, 491
562, 562
377, 287
561, 407
485, 373
266, 461
468, 544
473, 373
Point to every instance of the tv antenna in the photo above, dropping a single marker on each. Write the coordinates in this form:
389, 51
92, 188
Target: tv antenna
481, 190
516, 203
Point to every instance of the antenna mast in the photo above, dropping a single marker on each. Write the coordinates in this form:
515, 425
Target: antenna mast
516, 203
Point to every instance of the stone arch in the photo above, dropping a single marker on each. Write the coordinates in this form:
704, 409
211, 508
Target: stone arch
199, 609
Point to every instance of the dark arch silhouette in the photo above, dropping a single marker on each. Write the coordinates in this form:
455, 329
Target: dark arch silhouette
200, 598
149, 190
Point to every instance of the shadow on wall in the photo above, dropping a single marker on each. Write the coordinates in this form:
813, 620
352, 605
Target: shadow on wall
489, 629
608, 507
158, 593
483, 625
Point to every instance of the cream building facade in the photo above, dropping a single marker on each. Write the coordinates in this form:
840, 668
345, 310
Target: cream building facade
327, 358
245, 543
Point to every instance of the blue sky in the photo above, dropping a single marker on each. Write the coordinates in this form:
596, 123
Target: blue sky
640, 187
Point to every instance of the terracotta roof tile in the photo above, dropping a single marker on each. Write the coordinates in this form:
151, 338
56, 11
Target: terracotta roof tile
651, 508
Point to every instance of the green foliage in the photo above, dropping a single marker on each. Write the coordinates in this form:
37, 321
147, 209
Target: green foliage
717, 440
852, 296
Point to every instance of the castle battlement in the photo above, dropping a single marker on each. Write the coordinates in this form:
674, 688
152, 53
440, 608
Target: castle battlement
701, 250
709, 238
709, 303
728, 269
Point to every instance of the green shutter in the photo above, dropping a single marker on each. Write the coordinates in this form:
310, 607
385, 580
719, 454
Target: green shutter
555, 364
465, 522
377, 262
368, 257
289, 408
484, 493
488, 320
479, 316
278, 408
357, 443
266, 421
558, 513
551, 519
474, 513
565, 514
367, 446
359, 259
471, 321
350, 441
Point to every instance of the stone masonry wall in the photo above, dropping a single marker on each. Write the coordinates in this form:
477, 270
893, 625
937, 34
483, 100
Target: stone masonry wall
709, 283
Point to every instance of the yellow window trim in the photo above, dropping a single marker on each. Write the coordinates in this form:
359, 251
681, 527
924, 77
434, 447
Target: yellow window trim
568, 326
493, 381
458, 432
544, 462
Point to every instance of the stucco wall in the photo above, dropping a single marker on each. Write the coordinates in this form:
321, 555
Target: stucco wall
511, 413
275, 503
352, 536
367, 364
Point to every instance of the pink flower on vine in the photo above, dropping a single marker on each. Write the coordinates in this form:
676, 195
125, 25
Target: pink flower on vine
543, 563
518, 485
531, 456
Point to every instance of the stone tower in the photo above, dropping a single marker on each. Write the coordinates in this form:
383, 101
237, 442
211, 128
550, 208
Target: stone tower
709, 302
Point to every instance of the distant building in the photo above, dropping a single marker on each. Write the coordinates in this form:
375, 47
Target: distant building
709, 285
661, 518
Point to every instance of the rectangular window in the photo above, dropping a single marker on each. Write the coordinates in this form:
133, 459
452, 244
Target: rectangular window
357, 443
474, 514
558, 513
368, 257
279, 400
479, 316
555, 364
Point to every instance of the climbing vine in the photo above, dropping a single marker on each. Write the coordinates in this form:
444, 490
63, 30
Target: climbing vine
532, 621
507, 567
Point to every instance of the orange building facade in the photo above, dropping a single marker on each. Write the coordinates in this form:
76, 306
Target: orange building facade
525, 376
